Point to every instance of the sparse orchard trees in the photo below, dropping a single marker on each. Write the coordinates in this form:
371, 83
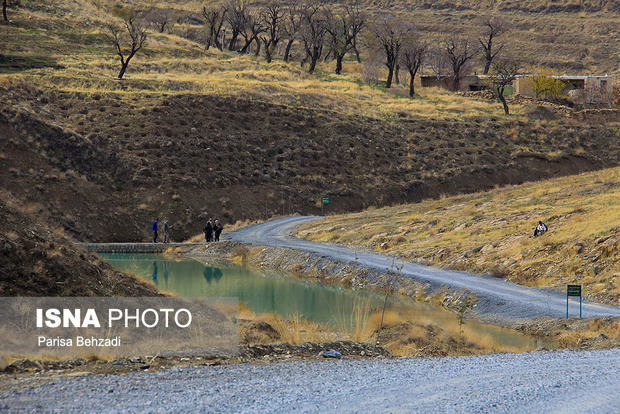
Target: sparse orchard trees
214, 21
313, 32
458, 52
343, 29
127, 41
437, 62
493, 28
252, 28
412, 57
391, 35
272, 19
236, 18
290, 28
505, 71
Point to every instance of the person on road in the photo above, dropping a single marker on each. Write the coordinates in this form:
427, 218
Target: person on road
155, 227
217, 230
208, 230
166, 231
540, 229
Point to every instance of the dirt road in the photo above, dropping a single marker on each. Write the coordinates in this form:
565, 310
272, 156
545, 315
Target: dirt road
563, 382
499, 300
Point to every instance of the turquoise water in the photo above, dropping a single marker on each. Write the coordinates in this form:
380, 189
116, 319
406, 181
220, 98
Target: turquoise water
270, 291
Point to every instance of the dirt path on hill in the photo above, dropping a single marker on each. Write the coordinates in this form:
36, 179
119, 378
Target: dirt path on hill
499, 300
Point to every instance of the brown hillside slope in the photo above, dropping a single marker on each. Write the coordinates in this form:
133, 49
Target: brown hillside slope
492, 232
189, 157
38, 261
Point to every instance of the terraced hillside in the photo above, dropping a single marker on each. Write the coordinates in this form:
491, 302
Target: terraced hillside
191, 134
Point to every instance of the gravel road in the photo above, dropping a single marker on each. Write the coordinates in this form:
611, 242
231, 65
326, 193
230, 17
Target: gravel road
499, 300
566, 382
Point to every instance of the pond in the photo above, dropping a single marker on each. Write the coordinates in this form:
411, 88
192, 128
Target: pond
288, 296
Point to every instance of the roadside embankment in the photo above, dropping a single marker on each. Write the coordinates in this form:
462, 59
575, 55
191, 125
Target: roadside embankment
594, 333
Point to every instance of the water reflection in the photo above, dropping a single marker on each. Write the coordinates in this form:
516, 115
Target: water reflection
287, 296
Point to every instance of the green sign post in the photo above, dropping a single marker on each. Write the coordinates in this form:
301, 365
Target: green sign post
324, 202
573, 290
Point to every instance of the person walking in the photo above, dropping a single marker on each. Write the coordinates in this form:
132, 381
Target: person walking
217, 230
208, 230
166, 231
155, 227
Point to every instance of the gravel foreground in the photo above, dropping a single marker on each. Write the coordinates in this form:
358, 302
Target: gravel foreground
566, 381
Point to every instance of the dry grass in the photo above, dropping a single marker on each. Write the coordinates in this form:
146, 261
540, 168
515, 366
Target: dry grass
492, 232
171, 65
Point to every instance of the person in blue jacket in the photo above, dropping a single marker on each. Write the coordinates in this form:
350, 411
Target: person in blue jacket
155, 228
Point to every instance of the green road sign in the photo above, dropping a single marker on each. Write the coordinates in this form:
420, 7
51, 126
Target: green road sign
324, 200
573, 290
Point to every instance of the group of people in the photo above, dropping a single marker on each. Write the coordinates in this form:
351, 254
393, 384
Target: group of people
155, 228
212, 230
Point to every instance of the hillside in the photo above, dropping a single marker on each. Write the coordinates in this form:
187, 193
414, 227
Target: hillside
492, 232
36, 260
191, 134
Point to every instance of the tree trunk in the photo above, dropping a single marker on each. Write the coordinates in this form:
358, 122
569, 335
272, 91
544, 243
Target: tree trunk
123, 69
287, 51
357, 52
487, 66
411, 87
339, 64
456, 82
233, 40
258, 45
500, 96
396, 73
4, 5
388, 82
223, 42
313, 59
268, 51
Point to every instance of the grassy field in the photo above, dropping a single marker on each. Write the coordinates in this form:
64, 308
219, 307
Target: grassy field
492, 232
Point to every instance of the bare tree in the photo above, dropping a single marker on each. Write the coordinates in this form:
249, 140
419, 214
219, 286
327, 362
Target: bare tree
412, 58
437, 61
252, 28
133, 35
291, 27
214, 20
343, 29
458, 53
371, 67
313, 33
391, 35
157, 18
272, 20
505, 72
236, 17
493, 28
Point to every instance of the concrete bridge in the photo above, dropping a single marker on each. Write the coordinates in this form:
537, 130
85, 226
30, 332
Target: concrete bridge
133, 247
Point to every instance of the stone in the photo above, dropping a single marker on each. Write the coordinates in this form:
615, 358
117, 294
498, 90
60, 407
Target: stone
332, 353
